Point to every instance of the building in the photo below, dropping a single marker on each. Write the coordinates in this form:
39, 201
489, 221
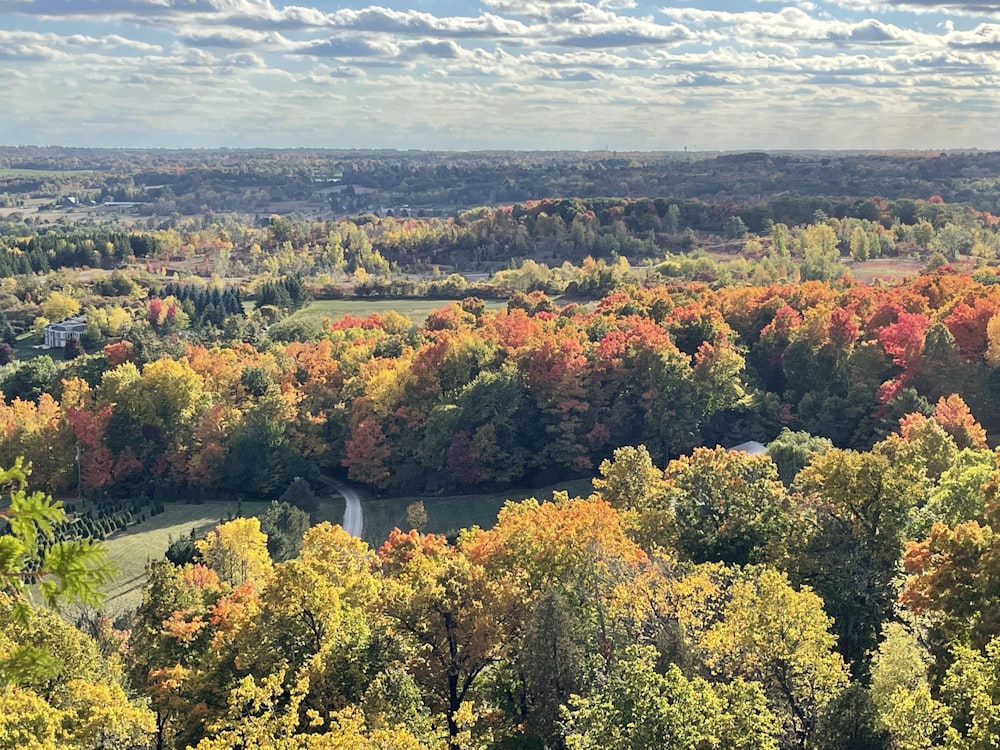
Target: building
751, 448
56, 334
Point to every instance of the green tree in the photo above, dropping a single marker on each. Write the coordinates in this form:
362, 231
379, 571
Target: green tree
855, 517
902, 693
631, 481
729, 506
792, 451
284, 525
777, 636
636, 707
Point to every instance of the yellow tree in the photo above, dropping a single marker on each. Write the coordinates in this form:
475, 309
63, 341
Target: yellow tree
59, 306
779, 637
237, 551
458, 616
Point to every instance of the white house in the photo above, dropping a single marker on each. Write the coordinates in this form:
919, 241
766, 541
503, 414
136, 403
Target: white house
57, 333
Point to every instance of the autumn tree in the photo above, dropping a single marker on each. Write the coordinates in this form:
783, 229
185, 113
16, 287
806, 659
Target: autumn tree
236, 551
772, 634
458, 615
854, 511
635, 706
729, 506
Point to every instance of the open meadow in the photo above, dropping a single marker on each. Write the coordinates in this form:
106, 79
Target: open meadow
131, 548
448, 514
415, 309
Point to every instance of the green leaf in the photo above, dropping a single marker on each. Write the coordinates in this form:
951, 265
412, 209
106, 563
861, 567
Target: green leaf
78, 568
28, 663
34, 514
11, 554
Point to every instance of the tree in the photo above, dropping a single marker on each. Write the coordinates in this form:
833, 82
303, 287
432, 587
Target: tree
59, 306
792, 451
237, 551
631, 481
729, 506
73, 348
960, 495
636, 707
857, 506
633, 485
573, 565
367, 454
953, 414
458, 615
300, 495
771, 634
416, 515
284, 525
735, 228
31, 378
971, 690
902, 694
66, 694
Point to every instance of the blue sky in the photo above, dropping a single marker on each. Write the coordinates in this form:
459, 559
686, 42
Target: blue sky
499, 74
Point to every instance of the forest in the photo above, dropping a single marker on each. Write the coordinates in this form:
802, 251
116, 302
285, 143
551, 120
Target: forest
832, 590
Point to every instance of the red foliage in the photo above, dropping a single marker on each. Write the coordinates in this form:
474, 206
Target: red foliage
367, 453
464, 461
119, 353
843, 330
968, 327
96, 461
904, 339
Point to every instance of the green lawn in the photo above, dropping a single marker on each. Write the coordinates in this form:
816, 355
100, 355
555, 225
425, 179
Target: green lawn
415, 309
451, 513
131, 548
10, 172
25, 348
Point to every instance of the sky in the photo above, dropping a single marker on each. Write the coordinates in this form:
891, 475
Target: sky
625, 75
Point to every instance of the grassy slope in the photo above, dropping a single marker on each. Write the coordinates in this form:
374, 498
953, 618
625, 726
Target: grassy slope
446, 514
131, 548
415, 309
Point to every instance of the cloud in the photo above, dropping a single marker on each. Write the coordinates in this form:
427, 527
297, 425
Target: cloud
233, 38
624, 37
791, 25
443, 50
574, 76
968, 7
983, 37
348, 47
529, 72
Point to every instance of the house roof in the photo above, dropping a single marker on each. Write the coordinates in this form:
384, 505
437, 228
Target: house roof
75, 324
750, 447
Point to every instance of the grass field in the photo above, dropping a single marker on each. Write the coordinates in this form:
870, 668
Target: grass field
450, 513
415, 309
133, 547
9, 172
